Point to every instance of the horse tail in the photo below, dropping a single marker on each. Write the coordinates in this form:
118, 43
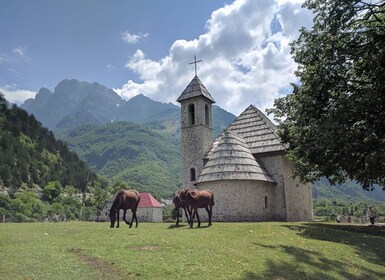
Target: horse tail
212, 198
138, 200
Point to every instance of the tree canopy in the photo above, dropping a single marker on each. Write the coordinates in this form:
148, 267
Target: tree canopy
334, 121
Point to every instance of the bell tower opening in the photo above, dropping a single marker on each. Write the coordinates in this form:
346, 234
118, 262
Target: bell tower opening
191, 114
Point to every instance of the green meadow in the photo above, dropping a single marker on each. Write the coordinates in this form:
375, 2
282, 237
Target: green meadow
269, 250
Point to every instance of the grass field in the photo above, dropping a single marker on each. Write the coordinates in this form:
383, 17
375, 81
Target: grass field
272, 250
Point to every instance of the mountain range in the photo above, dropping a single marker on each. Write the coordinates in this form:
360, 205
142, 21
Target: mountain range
74, 103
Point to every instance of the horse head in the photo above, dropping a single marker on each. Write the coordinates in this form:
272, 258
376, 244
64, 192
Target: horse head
192, 194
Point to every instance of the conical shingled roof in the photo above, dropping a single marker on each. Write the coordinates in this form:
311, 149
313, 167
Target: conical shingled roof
258, 131
231, 159
194, 89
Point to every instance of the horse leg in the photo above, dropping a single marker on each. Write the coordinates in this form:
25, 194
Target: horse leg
124, 216
199, 221
117, 218
210, 213
192, 218
187, 218
134, 217
177, 216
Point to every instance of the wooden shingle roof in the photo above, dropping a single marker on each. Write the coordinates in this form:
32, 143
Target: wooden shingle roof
231, 159
258, 131
194, 89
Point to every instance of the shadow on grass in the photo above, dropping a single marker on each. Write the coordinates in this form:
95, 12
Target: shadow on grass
369, 243
175, 226
308, 264
180, 226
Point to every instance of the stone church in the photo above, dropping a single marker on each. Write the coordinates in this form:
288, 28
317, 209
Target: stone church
245, 166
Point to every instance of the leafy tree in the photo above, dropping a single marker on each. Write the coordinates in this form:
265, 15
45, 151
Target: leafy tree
27, 206
333, 122
52, 190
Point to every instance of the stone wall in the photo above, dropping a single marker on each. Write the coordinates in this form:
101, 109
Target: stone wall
294, 199
150, 214
241, 201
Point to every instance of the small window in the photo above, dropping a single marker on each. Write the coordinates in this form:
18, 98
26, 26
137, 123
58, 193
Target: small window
192, 174
266, 202
207, 115
191, 114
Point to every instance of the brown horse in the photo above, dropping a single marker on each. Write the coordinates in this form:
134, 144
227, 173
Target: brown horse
180, 204
124, 199
195, 199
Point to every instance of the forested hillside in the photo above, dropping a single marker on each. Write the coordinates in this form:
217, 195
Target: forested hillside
131, 153
39, 175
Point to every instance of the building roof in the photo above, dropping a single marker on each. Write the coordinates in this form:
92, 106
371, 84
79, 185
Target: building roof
258, 131
147, 200
194, 89
231, 159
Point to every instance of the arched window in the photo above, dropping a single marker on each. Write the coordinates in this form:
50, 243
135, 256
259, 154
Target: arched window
266, 202
191, 114
192, 174
207, 115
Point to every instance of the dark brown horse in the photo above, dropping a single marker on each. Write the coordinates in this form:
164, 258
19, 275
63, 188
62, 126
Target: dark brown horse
195, 199
180, 204
124, 199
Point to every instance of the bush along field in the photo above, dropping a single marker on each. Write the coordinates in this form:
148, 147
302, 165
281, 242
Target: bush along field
269, 250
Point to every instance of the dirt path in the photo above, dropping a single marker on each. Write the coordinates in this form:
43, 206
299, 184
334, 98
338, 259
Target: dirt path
107, 270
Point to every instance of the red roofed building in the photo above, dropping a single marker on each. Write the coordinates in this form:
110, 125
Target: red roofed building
147, 200
149, 209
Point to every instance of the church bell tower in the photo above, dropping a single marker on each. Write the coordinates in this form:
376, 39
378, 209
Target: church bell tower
196, 129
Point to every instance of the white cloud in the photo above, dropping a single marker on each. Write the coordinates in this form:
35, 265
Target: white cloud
19, 51
3, 57
110, 67
244, 61
17, 96
133, 38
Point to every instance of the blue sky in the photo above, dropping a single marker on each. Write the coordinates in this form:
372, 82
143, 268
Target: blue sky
145, 46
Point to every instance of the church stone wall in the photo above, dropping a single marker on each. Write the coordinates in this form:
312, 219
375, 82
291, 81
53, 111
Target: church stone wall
294, 199
299, 199
241, 201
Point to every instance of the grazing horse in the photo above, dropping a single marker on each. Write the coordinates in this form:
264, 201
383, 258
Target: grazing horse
180, 204
195, 199
124, 199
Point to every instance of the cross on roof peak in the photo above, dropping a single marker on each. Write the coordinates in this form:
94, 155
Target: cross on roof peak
195, 62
